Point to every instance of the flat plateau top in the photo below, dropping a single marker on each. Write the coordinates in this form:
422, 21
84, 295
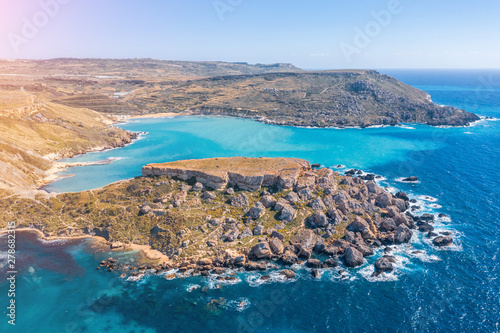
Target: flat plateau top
241, 165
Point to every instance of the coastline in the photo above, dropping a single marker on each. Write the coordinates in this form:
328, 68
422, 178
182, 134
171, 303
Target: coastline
57, 167
156, 115
145, 250
52, 174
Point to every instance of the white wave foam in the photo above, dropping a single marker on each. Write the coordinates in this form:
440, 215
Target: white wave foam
406, 127
423, 256
214, 282
254, 279
427, 198
367, 272
239, 305
135, 278
435, 206
192, 287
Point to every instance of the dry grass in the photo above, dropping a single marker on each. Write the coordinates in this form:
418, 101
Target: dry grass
240, 165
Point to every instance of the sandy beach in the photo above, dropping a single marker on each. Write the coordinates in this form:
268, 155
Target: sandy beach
157, 115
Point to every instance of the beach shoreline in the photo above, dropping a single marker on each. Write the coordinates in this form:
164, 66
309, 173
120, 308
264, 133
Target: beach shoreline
144, 250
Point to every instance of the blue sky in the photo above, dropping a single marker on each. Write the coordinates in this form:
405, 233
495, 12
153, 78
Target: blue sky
315, 34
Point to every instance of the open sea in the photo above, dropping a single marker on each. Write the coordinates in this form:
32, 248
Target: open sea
456, 289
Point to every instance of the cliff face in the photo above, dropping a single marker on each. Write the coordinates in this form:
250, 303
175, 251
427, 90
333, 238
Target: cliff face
248, 174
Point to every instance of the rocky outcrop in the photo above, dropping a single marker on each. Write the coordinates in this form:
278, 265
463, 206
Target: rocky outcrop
352, 257
442, 241
217, 173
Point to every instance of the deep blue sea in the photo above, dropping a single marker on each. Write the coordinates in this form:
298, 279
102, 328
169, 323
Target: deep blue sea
452, 290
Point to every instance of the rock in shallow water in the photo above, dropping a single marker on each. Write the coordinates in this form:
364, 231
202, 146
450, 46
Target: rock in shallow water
442, 241
352, 257
383, 264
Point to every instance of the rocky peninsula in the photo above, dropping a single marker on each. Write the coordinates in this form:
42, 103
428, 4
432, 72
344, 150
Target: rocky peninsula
211, 215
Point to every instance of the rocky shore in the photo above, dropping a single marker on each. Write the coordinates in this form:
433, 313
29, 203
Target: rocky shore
321, 219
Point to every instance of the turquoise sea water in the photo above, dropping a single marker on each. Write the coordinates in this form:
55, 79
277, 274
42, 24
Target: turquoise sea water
453, 290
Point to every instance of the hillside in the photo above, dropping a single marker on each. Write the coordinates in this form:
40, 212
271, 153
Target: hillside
34, 133
331, 98
277, 93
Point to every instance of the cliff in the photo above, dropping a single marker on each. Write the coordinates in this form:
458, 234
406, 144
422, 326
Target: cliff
248, 174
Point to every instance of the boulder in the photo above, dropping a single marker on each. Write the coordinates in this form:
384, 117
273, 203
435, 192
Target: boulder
317, 204
245, 233
384, 199
288, 274
278, 206
388, 225
258, 230
231, 235
425, 227
427, 217
314, 263
304, 253
209, 196
268, 201
145, 210
352, 257
117, 245
289, 258
197, 187
261, 251
335, 216
365, 250
257, 211
316, 273
305, 194
287, 214
402, 195
239, 200
292, 197
402, 219
318, 219
330, 263
277, 234
410, 179
442, 241
276, 246
361, 226
383, 264
401, 204
402, 235
211, 243
305, 239
215, 221
392, 211
372, 187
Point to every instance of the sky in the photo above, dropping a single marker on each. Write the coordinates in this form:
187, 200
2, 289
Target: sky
315, 34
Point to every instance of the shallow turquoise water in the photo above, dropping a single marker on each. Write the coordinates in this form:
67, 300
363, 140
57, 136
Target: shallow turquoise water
455, 290
170, 139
